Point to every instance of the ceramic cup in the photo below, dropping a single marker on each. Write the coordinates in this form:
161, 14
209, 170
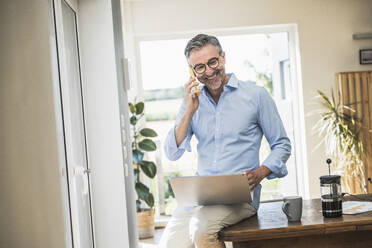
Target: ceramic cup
292, 207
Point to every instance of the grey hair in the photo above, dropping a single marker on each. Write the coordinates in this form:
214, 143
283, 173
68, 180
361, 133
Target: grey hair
200, 41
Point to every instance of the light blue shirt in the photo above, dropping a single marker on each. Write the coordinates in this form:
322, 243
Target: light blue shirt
229, 133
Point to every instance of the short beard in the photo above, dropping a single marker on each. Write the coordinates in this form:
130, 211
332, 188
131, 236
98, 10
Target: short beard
217, 73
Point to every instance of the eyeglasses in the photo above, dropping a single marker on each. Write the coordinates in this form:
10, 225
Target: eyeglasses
212, 63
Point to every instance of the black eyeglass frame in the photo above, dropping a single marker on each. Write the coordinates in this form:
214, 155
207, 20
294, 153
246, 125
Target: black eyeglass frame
208, 64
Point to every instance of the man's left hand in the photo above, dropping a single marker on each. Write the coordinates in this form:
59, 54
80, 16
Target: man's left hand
255, 176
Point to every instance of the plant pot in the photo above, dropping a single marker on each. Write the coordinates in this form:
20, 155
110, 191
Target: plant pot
145, 223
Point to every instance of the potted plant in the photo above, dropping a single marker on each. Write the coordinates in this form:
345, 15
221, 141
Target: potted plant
340, 131
141, 143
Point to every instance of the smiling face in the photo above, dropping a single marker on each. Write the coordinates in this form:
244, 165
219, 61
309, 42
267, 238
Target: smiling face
213, 79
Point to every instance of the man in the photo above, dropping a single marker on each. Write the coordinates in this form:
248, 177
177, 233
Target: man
228, 119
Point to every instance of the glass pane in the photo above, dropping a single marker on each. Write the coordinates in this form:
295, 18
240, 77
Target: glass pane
76, 130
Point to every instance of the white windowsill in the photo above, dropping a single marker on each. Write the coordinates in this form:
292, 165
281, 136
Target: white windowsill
152, 242
161, 221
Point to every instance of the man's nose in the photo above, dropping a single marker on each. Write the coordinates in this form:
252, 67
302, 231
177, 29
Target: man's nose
209, 71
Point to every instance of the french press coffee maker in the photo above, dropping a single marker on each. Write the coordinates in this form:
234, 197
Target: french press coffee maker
330, 189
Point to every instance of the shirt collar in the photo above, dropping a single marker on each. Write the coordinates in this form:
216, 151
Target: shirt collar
233, 81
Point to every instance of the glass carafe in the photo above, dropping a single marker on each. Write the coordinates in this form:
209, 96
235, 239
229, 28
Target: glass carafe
330, 189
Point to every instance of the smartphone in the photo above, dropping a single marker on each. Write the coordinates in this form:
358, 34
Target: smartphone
192, 74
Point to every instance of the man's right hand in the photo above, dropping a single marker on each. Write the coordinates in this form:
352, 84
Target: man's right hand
191, 97
191, 105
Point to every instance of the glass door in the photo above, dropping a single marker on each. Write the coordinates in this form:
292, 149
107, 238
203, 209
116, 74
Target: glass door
74, 124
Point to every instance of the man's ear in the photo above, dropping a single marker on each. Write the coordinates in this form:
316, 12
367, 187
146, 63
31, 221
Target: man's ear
223, 56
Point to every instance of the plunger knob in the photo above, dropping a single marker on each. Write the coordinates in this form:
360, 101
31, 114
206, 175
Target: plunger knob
329, 161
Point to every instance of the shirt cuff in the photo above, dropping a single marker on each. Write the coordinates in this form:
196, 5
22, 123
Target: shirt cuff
185, 144
277, 167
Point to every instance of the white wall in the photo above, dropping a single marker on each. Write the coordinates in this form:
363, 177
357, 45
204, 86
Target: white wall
31, 213
325, 38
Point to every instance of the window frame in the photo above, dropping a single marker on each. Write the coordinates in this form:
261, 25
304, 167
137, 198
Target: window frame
296, 93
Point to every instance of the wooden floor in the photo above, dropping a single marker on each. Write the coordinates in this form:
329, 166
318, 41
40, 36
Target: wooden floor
153, 242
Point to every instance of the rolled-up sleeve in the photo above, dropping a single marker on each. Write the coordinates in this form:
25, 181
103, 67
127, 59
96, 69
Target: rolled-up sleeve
273, 129
172, 151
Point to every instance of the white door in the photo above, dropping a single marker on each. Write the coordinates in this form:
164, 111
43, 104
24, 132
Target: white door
66, 13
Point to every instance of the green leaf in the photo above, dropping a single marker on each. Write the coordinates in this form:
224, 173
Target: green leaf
139, 108
137, 156
133, 120
148, 132
150, 200
169, 191
136, 172
138, 205
142, 191
147, 145
132, 108
149, 168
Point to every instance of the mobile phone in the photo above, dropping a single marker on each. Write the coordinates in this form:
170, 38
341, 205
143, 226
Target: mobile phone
192, 74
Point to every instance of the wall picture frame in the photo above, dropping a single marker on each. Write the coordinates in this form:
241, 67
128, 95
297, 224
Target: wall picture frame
365, 56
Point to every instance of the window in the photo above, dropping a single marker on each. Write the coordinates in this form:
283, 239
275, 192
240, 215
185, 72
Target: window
263, 58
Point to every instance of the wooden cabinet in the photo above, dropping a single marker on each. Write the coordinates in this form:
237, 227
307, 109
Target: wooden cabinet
355, 91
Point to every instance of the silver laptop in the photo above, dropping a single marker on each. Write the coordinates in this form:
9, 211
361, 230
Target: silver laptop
211, 190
